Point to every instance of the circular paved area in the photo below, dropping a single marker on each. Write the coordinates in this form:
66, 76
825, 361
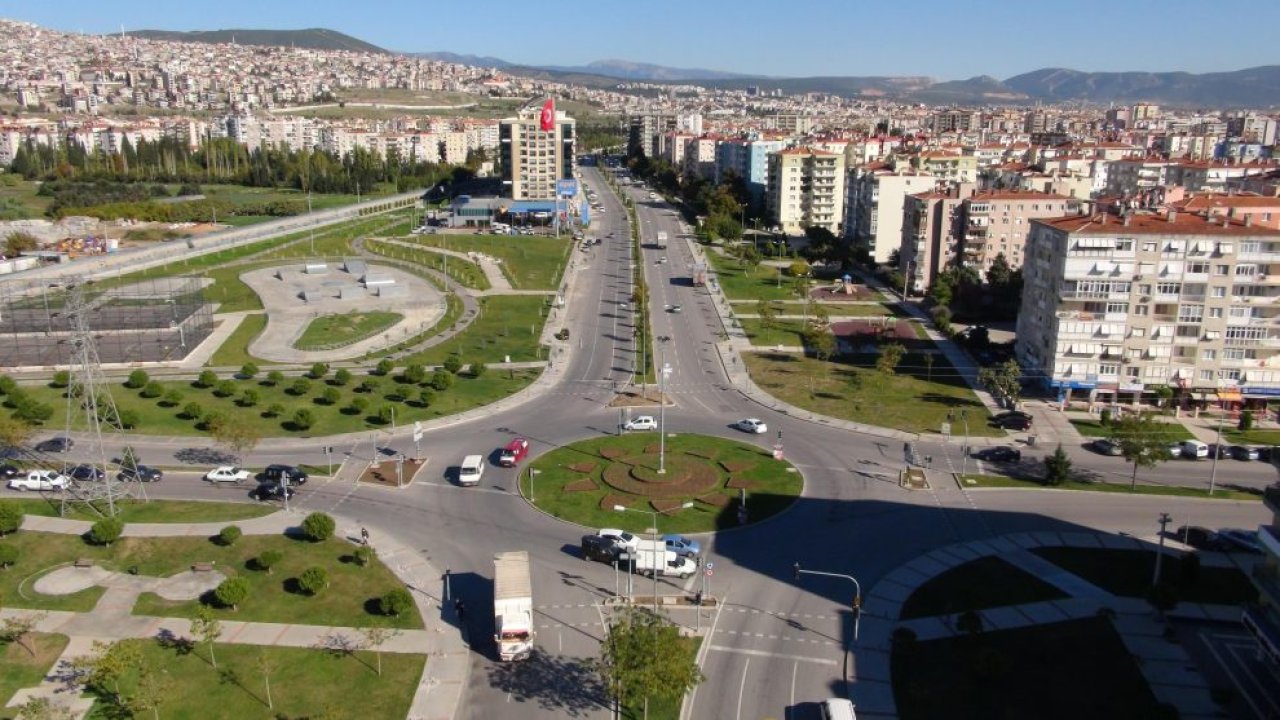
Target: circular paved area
182, 586
293, 298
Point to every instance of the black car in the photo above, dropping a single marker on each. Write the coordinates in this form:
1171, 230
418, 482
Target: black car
1013, 422
999, 454
84, 473
141, 473
601, 549
296, 475
1244, 452
1219, 451
1201, 538
273, 490
7, 471
56, 444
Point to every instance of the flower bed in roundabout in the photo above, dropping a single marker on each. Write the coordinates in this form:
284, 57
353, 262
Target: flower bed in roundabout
584, 481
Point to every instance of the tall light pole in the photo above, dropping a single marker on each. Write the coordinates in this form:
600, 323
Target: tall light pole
662, 406
1217, 450
311, 221
906, 278
661, 555
855, 606
1165, 519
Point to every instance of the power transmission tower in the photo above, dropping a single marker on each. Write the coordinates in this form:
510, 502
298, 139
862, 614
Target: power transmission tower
89, 400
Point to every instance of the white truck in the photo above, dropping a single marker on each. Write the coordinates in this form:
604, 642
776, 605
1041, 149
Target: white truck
663, 561
661, 241
512, 605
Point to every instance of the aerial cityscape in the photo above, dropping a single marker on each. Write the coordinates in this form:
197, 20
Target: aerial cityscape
412, 366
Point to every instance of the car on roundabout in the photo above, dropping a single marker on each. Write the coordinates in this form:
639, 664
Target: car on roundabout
39, 480
514, 452
682, 545
641, 422
273, 490
227, 474
621, 538
755, 426
1244, 452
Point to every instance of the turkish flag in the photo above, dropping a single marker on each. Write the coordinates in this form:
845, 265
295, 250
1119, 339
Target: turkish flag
547, 119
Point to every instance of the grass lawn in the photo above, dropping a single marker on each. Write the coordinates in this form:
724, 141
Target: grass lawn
155, 511
1172, 431
1032, 672
529, 262
508, 325
453, 311
331, 331
304, 683
1003, 481
19, 199
1128, 573
906, 401
834, 309
350, 599
745, 283
781, 332
1256, 436
983, 583
771, 485
465, 272
38, 552
234, 351
20, 669
157, 419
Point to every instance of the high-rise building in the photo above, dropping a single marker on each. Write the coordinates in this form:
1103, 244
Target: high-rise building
806, 189
1122, 304
533, 159
874, 206
750, 160
996, 222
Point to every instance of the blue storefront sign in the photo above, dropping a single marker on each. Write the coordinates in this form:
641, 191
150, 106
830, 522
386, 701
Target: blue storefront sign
566, 188
1260, 391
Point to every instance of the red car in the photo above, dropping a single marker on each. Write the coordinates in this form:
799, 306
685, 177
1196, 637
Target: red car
514, 452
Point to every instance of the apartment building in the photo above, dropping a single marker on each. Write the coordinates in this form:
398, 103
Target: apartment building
996, 222
806, 189
700, 157
750, 160
533, 159
644, 132
1263, 618
931, 235
876, 197
1263, 210
1121, 304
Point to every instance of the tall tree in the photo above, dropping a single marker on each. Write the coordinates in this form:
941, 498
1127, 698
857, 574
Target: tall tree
643, 656
1003, 380
1141, 441
206, 629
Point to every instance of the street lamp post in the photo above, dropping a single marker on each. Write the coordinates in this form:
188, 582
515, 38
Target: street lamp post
311, 221
654, 531
1217, 450
662, 406
906, 278
855, 605
1165, 519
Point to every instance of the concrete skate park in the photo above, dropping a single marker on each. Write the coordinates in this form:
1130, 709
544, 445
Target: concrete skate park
296, 294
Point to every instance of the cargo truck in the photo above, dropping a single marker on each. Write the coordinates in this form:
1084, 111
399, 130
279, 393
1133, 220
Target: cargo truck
512, 605
661, 242
664, 562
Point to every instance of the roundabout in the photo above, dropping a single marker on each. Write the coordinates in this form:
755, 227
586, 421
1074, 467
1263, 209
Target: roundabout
584, 483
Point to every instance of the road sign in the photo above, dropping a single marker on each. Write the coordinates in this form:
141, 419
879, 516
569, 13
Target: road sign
710, 565
417, 431
710, 572
946, 428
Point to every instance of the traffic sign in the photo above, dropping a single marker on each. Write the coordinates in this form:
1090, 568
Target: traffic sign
417, 431
710, 572
710, 565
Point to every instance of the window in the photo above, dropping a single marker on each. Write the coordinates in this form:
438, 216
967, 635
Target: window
1221, 270
1209, 355
1132, 373
1233, 354
1218, 292
1215, 313
1108, 369
1148, 246
1198, 268
1124, 245
1168, 288
1206, 375
1121, 308
1229, 374
1190, 313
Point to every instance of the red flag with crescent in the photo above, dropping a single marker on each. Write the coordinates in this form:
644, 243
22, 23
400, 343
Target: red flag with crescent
547, 119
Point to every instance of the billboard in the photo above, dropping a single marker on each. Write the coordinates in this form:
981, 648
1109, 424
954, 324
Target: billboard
566, 188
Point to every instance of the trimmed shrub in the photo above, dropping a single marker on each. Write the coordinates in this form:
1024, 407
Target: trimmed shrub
10, 518
300, 386
453, 364
331, 396
225, 388
228, 535
231, 592
303, 419
137, 379
172, 398
129, 419
319, 370
478, 369
363, 555
152, 389
313, 580
249, 370
9, 556
249, 398
384, 367
396, 602
441, 380
106, 531
341, 377
207, 379
275, 377
268, 559
60, 379
318, 526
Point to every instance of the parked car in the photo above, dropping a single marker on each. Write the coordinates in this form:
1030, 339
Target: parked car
1175, 450
141, 473
1002, 416
641, 422
297, 476
1194, 449
84, 473
39, 480
1019, 422
621, 538
55, 444
227, 474
1106, 446
1219, 451
682, 545
752, 425
1201, 538
1003, 453
599, 548
7, 471
514, 452
1243, 540
1244, 452
273, 490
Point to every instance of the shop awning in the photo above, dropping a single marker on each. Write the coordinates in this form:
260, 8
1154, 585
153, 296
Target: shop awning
1230, 395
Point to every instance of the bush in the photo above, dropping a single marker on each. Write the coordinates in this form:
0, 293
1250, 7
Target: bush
453, 364
369, 385
363, 555
478, 369
318, 526
249, 398
229, 535
275, 377
359, 405
426, 396
313, 580
396, 602
415, 374
152, 389
248, 370
303, 419
273, 410
172, 398
384, 367
60, 379
8, 384
1104, 417
106, 531
212, 420
207, 379
386, 414
137, 379
331, 396
441, 380
231, 592
300, 386
29, 410
341, 377
941, 319
9, 556
319, 370
225, 388
268, 559
10, 518
1246, 421
129, 419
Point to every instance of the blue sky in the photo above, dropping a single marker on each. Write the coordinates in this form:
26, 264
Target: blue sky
941, 39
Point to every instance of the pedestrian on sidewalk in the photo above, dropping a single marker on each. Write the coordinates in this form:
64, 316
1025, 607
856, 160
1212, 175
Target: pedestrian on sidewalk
459, 609
364, 536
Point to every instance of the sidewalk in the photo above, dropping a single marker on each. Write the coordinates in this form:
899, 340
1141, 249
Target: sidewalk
1163, 663
448, 661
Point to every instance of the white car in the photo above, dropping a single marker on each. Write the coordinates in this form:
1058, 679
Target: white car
752, 425
621, 538
227, 474
39, 480
641, 422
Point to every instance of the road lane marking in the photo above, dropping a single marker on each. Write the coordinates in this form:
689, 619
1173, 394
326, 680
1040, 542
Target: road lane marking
764, 653
742, 686
792, 703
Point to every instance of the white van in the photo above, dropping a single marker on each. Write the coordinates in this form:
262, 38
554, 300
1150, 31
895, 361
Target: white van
1194, 449
837, 709
471, 469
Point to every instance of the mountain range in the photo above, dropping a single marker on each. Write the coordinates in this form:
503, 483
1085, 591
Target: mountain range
1250, 87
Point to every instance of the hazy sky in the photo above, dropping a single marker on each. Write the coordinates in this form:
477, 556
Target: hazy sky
942, 39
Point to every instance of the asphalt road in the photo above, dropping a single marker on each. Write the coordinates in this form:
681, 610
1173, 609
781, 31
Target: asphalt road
777, 644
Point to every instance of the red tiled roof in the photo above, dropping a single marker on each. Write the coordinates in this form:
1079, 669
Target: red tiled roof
1108, 224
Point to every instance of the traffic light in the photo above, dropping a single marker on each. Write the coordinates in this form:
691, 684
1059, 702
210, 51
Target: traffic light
797, 569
